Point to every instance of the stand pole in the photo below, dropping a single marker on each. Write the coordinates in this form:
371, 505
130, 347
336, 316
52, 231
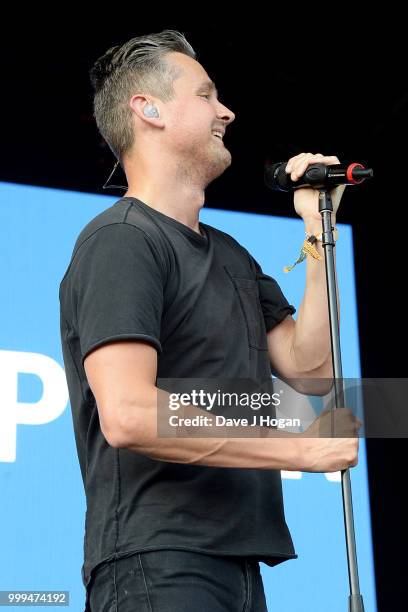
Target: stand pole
356, 603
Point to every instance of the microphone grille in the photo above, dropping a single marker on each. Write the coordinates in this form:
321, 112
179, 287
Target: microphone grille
276, 177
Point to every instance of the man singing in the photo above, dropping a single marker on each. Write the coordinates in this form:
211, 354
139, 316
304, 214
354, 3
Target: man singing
179, 524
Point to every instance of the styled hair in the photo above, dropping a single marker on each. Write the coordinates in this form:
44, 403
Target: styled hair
137, 66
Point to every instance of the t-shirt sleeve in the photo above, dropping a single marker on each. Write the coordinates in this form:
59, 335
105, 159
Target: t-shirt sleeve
275, 306
117, 288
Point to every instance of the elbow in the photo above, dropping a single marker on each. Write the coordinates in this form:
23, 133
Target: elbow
317, 382
313, 378
126, 432
310, 386
318, 386
131, 440
115, 438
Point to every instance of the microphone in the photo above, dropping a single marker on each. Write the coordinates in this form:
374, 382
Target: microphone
317, 176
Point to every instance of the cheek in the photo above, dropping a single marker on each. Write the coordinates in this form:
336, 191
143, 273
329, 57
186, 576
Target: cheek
190, 127
193, 120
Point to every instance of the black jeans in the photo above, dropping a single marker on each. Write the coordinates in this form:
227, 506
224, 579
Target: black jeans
177, 581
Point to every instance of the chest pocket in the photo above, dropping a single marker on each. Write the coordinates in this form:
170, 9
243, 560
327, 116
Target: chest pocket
248, 295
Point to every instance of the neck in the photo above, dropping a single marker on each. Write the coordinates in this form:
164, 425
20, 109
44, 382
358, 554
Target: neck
173, 192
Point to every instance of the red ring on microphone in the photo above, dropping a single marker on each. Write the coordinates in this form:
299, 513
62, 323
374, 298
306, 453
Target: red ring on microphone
350, 173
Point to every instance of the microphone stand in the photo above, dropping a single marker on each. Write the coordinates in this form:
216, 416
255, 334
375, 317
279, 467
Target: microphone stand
356, 603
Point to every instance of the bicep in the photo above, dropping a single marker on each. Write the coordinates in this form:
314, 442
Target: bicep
283, 363
122, 377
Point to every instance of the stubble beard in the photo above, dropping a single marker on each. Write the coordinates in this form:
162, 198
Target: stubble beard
203, 165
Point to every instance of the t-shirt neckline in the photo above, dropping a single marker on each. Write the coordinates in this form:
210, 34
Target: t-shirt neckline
200, 238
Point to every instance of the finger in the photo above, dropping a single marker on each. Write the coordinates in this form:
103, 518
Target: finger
325, 411
292, 161
301, 163
345, 410
300, 166
330, 159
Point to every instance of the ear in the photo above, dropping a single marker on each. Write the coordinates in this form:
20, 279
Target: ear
139, 102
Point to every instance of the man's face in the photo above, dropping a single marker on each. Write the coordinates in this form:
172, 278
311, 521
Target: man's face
193, 116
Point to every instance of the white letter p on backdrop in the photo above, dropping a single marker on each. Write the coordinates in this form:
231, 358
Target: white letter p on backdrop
12, 413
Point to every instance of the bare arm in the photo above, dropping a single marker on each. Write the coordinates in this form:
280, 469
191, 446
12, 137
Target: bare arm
302, 349
122, 377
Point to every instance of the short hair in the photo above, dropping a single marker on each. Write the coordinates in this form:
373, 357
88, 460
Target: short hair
137, 66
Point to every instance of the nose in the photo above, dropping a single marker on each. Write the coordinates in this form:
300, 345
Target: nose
225, 114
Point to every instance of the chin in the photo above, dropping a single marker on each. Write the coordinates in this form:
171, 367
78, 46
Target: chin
223, 157
226, 160
217, 167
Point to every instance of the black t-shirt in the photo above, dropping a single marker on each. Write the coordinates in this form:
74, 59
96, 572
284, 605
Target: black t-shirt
204, 303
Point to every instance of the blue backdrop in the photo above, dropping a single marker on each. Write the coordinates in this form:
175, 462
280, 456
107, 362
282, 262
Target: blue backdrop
42, 505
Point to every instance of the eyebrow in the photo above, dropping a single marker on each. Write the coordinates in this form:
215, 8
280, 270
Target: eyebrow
208, 85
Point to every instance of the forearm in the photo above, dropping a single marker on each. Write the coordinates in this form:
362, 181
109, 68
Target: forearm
311, 342
262, 448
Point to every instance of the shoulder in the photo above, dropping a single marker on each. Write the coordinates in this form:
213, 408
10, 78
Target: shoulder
115, 220
115, 230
